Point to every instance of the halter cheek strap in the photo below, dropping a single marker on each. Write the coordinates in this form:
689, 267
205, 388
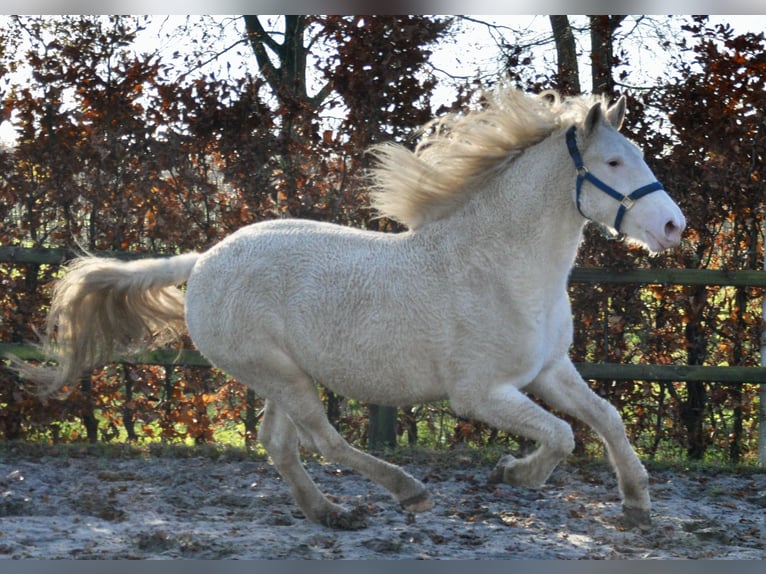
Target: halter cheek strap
626, 201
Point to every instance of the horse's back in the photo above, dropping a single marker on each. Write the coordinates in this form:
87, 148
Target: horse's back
261, 269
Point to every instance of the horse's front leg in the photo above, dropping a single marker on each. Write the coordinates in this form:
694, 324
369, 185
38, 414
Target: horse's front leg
507, 408
562, 387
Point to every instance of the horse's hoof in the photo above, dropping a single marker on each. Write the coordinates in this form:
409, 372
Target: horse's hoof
497, 474
515, 472
636, 518
354, 519
418, 503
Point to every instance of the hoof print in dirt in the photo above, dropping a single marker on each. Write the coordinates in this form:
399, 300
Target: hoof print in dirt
354, 519
383, 545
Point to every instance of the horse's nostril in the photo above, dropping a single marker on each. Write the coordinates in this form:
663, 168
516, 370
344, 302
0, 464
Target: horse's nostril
673, 230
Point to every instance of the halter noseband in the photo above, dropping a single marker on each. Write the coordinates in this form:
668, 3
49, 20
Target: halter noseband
626, 201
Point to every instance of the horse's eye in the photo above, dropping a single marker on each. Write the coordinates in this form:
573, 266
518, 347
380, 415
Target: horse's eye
614, 163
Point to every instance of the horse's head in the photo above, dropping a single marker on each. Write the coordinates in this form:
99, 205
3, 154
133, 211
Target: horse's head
616, 188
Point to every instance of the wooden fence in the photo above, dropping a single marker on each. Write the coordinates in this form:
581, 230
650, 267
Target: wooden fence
383, 419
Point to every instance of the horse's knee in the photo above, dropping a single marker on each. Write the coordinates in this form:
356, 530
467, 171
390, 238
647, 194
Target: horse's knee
562, 440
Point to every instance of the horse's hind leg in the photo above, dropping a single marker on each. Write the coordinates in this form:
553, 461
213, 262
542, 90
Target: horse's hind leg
308, 414
279, 437
303, 415
562, 387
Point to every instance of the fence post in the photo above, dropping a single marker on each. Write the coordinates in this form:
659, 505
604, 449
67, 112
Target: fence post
89, 420
762, 387
381, 431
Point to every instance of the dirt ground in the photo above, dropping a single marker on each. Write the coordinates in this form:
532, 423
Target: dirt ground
159, 507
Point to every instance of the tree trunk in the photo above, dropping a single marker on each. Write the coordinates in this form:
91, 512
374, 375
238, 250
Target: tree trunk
333, 409
128, 420
382, 428
568, 75
602, 30
287, 79
738, 358
693, 409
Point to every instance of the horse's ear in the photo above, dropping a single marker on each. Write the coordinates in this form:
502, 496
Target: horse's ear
594, 117
616, 113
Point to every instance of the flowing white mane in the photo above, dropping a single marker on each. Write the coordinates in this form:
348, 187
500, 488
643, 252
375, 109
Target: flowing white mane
458, 150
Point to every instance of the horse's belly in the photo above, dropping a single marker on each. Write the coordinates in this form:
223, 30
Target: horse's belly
399, 385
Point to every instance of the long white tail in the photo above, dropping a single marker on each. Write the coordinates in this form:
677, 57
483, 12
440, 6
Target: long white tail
106, 307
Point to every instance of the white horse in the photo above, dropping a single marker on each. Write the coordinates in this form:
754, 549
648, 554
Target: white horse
470, 304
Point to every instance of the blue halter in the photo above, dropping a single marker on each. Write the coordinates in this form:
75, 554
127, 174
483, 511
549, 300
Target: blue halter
626, 201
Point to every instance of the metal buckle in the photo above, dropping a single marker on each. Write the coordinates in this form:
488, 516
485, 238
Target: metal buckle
627, 203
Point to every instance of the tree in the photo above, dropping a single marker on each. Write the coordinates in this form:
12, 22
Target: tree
368, 73
372, 70
602, 30
722, 197
568, 76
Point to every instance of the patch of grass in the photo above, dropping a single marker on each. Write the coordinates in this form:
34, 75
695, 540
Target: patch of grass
10, 450
36, 450
709, 468
460, 457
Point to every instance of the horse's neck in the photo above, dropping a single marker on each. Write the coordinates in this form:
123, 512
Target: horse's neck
524, 218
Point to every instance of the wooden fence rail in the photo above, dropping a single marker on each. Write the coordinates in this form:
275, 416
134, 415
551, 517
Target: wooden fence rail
57, 256
663, 276
594, 371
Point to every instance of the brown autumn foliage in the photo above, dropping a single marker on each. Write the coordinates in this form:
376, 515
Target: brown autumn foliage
113, 154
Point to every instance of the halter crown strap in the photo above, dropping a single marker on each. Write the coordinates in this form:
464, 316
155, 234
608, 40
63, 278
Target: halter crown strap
626, 201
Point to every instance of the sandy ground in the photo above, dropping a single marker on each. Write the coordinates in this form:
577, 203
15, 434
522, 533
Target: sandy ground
151, 507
